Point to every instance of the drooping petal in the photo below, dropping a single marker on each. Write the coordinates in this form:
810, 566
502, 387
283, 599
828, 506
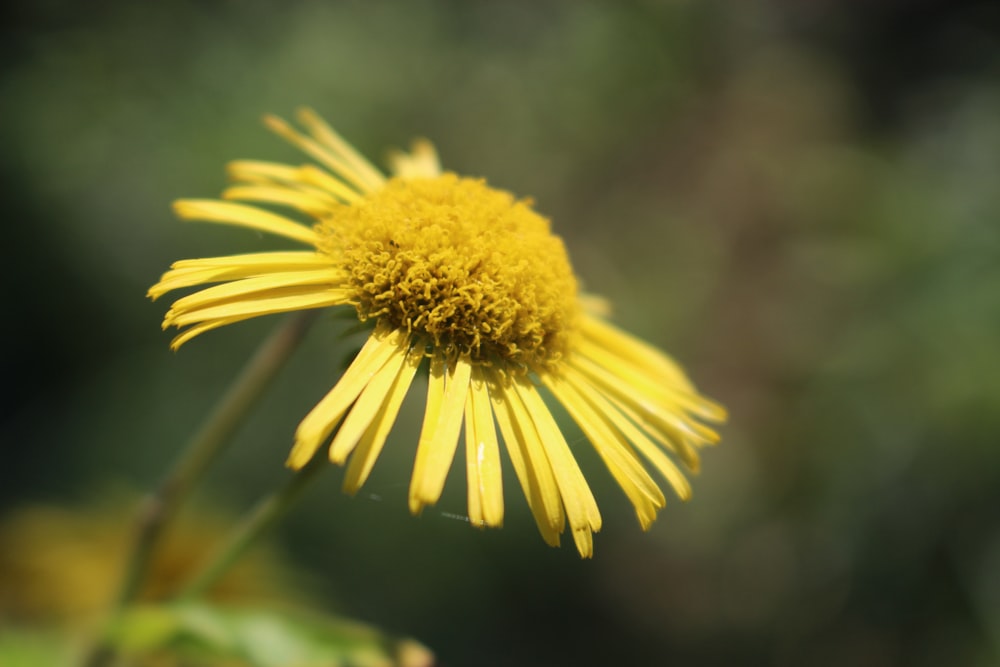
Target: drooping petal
671, 421
653, 453
367, 405
439, 434
614, 450
198, 329
482, 455
432, 413
676, 442
323, 418
638, 351
651, 383
581, 508
370, 446
531, 465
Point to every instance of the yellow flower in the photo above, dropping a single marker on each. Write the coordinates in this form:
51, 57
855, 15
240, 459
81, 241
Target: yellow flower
448, 268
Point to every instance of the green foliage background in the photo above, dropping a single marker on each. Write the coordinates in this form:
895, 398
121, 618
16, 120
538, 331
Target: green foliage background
800, 201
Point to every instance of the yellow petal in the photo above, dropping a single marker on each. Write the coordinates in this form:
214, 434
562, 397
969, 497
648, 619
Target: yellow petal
595, 305
676, 443
322, 419
201, 328
281, 260
531, 465
614, 450
581, 508
475, 498
301, 298
314, 205
650, 383
671, 419
421, 162
653, 453
432, 411
228, 213
191, 272
260, 171
324, 182
367, 405
482, 456
321, 154
638, 351
329, 137
368, 450
240, 289
439, 436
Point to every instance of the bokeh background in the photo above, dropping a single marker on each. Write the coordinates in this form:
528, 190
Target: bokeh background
799, 200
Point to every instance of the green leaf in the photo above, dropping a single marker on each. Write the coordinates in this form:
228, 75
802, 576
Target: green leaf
21, 647
202, 634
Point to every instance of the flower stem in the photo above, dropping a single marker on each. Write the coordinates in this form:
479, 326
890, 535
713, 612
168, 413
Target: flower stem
268, 510
159, 507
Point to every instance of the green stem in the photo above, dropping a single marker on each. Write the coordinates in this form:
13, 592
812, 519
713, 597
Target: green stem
267, 511
159, 507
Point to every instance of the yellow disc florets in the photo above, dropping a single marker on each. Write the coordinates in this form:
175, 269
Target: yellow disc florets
477, 271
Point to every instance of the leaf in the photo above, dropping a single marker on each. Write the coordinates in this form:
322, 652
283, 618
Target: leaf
202, 634
33, 648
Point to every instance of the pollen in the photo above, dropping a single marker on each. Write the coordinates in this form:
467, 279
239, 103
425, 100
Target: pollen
466, 266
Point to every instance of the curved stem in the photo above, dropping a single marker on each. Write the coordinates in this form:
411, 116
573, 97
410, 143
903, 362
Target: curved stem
257, 521
159, 507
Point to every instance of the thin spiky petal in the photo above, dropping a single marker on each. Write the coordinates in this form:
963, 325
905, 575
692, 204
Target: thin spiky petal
439, 435
482, 455
366, 453
323, 418
228, 213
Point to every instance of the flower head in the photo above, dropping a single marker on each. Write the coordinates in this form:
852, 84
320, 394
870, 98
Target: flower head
449, 269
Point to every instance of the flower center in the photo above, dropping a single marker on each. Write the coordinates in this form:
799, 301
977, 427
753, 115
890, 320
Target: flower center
476, 270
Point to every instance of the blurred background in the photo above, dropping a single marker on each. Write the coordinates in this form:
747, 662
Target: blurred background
798, 200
